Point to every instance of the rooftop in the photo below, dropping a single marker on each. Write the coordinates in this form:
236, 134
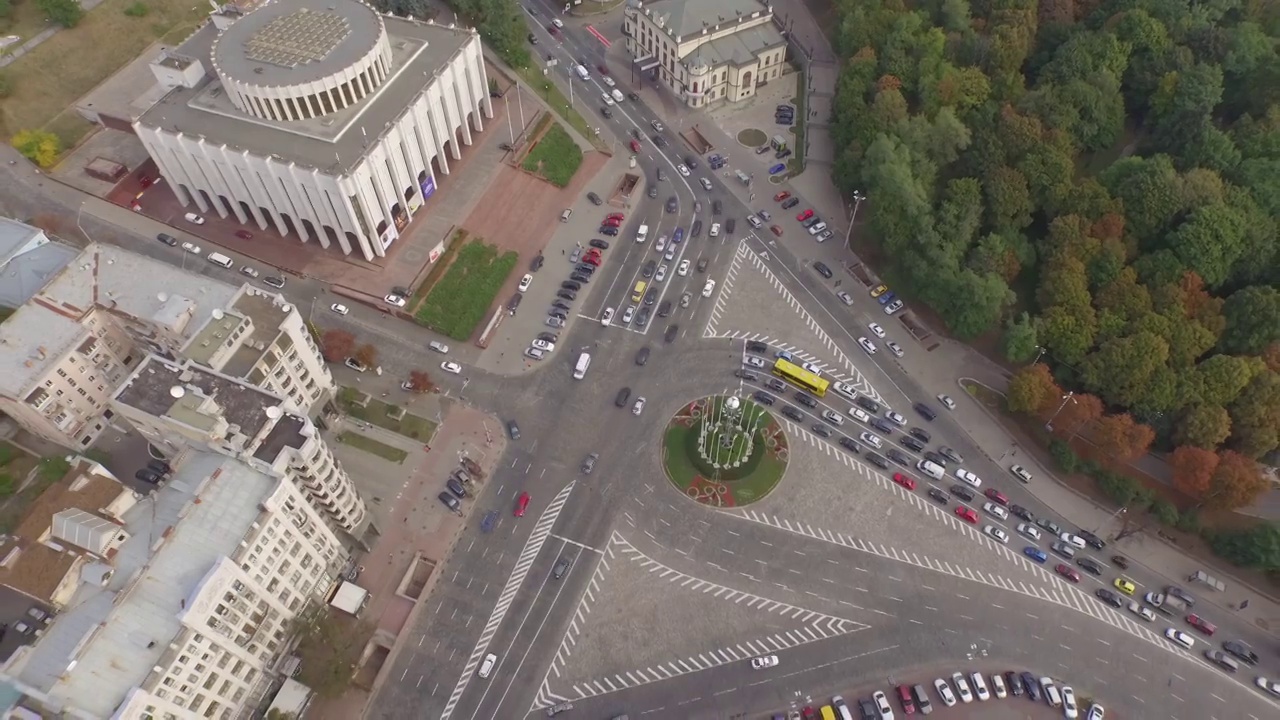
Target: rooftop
740, 48
685, 18
27, 260
31, 340
164, 389
286, 433
117, 633
291, 42
264, 309
335, 142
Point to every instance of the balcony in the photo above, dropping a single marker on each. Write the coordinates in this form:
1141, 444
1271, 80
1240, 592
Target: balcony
39, 398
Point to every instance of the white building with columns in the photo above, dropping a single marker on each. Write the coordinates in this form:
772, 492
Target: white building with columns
318, 119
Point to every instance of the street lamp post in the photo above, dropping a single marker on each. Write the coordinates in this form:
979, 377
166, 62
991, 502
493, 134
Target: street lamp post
1041, 351
858, 197
1069, 396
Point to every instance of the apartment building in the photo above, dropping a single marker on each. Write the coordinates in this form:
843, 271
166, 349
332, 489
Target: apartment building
176, 404
69, 345
192, 617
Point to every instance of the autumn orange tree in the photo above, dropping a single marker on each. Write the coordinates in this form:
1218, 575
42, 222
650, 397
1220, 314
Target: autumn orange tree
336, 345
1236, 482
420, 382
1193, 469
1118, 436
1032, 390
1076, 412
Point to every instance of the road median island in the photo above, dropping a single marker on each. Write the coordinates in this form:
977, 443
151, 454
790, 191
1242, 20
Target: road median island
724, 452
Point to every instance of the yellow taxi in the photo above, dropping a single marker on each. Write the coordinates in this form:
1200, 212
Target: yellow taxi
1125, 585
879, 290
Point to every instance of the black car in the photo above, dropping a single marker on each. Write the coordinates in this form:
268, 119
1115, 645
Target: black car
764, 398
594, 198
456, 488
867, 710
642, 355
920, 434
790, 203
652, 191
1049, 526
868, 404
910, 443
147, 475
647, 270
450, 501
549, 337
812, 221
672, 332
159, 466
696, 230
1092, 540
962, 492
660, 141
899, 457
570, 285
950, 454
883, 425
623, 395
605, 111
642, 317
729, 226
609, 230
793, 413
1033, 687
702, 264
567, 295
671, 204
562, 566
274, 281
598, 243
533, 40
935, 458
559, 305
941, 497
776, 385
925, 411
746, 375
821, 430
1109, 597
513, 429
536, 263
1014, 681
715, 207
850, 445
651, 296
1178, 592
691, 162
585, 269
1089, 565
1240, 650
877, 460
755, 346
579, 278
634, 97
167, 239
1022, 512
558, 313
664, 310
822, 269
806, 399
783, 154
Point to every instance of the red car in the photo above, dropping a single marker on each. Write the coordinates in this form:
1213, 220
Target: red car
777, 230
781, 196
244, 234
635, 146
967, 514
1068, 572
805, 215
615, 216
611, 222
603, 70
906, 482
592, 260
522, 504
996, 496
907, 702
1201, 624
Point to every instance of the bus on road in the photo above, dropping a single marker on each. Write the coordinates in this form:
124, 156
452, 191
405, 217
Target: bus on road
797, 375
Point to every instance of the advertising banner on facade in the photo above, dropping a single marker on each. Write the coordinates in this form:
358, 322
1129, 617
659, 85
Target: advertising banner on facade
428, 187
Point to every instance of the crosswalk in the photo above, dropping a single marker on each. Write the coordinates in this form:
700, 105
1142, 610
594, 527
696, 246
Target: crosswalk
532, 547
1057, 592
844, 371
726, 288
809, 626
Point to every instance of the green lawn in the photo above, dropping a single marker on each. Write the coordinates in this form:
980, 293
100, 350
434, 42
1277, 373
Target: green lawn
457, 304
556, 157
377, 413
761, 473
560, 103
369, 445
795, 165
15, 465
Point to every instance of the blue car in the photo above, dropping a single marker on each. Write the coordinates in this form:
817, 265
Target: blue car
784, 355
678, 237
886, 298
777, 169
1035, 553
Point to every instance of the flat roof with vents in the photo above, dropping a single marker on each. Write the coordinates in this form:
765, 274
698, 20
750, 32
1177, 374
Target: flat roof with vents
302, 37
291, 42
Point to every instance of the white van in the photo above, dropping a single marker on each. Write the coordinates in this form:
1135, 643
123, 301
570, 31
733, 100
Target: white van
930, 469
438, 347
617, 95
580, 370
220, 259
642, 233
581, 72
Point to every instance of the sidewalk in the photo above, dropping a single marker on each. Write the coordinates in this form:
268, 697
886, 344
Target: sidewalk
1143, 549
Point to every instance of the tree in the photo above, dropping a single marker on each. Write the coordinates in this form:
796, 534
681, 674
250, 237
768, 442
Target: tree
1121, 368
1221, 378
1150, 191
1203, 426
1210, 242
1020, 342
1070, 415
38, 146
420, 382
1236, 483
1008, 199
366, 355
1255, 416
1253, 320
1193, 471
1033, 391
1257, 547
336, 345
1119, 437
66, 13
332, 643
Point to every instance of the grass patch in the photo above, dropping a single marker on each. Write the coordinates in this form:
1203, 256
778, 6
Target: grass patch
556, 157
993, 400
376, 412
50, 78
15, 465
457, 304
558, 102
369, 445
795, 165
442, 264
752, 481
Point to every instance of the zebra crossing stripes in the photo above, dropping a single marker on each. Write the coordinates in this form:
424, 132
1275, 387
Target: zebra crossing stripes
726, 288
812, 626
1060, 593
531, 549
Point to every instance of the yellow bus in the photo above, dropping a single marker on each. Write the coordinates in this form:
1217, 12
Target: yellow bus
638, 293
797, 375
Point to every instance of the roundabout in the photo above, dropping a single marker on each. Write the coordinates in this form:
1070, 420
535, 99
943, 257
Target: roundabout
724, 451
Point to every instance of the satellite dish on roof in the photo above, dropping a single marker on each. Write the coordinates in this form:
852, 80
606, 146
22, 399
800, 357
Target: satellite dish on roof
162, 297
286, 307
274, 412
217, 313
177, 391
